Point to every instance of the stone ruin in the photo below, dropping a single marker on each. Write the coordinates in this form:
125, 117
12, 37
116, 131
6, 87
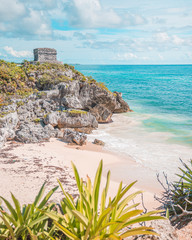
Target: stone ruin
45, 55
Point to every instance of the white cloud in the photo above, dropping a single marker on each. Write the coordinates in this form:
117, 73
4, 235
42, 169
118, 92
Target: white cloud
17, 54
177, 40
90, 14
17, 19
160, 56
126, 56
129, 56
11, 9
162, 37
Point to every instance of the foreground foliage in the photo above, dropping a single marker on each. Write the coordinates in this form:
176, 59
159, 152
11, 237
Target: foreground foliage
84, 219
91, 216
26, 222
177, 197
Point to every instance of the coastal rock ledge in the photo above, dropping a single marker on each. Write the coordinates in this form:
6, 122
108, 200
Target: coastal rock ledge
40, 101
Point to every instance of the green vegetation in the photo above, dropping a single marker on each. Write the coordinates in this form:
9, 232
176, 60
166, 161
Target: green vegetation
20, 103
22, 80
26, 222
91, 80
177, 197
75, 112
86, 218
3, 114
37, 120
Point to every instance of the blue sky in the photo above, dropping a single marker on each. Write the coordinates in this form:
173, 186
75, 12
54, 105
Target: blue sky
98, 31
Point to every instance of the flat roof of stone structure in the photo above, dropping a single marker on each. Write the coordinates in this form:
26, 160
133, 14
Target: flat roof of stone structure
45, 50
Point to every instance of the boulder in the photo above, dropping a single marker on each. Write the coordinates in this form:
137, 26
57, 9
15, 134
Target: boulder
54, 132
2, 141
71, 119
121, 105
86, 130
36, 108
32, 133
52, 118
58, 133
69, 95
101, 113
99, 142
9, 120
6, 134
74, 137
93, 94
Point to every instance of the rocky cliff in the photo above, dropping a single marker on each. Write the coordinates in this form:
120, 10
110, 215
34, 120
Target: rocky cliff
46, 100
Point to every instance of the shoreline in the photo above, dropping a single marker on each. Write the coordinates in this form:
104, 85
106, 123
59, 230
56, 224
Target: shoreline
27, 166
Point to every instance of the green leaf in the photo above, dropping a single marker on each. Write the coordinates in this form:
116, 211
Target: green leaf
37, 220
11, 209
18, 208
33, 237
138, 231
144, 218
86, 237
39, 195
76, 176
9, 227
82, 219
66, 231
96, 186
46, 198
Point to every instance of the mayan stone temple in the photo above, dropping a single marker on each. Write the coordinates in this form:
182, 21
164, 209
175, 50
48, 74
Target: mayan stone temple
45, 55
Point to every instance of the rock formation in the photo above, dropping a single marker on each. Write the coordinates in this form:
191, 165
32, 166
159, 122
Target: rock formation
45, 100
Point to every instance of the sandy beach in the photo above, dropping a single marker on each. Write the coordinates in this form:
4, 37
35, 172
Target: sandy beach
25, 167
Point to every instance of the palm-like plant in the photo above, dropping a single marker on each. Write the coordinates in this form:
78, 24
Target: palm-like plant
114, 219
25, 222
181, 192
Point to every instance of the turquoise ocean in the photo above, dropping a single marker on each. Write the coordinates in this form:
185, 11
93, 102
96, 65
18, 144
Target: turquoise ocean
159, 131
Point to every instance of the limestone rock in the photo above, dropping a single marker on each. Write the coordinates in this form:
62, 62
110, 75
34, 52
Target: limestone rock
36, 108
2, 141
71, 119
6, 134
92, 95
69, 95
99, 142
102, 114
58, 133
86, 130
32, 133
51, 94
121, 105
52, 118
74, 137
9, 120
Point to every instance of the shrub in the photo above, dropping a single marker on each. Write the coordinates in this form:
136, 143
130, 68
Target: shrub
177, 196
25, 222
37, 120
83, 219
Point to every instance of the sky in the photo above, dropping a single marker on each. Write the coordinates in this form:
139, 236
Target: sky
98, 31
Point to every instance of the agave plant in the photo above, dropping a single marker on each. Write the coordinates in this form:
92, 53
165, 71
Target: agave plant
181, 192
92, 218
25, 222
